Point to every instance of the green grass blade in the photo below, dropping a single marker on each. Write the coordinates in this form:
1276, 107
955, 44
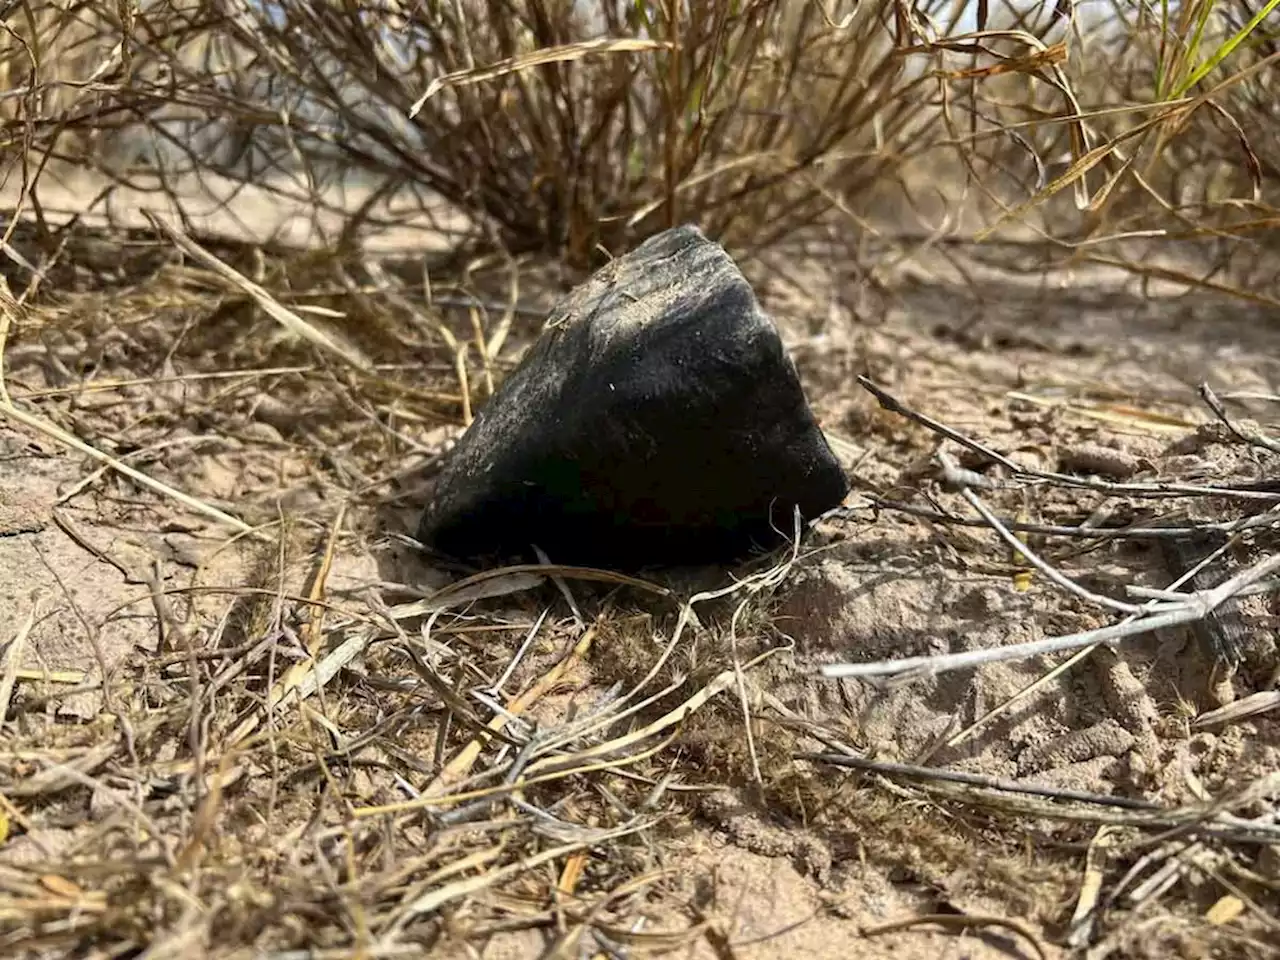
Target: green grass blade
1226, 49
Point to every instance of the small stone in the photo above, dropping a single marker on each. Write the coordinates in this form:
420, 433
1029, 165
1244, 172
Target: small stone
1104, 739
278, 414
1102, 461
262, 432
657, 421
1268, 861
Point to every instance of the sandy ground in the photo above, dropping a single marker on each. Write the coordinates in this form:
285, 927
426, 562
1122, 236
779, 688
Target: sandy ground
276, 211
1042, 372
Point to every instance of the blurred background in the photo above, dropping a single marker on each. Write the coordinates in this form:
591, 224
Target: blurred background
1116, 130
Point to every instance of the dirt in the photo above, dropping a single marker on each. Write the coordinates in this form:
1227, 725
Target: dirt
1084, 375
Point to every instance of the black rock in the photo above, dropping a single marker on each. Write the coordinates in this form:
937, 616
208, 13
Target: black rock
657, 421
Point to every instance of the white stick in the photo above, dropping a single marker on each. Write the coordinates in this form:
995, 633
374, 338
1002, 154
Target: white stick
1197, 607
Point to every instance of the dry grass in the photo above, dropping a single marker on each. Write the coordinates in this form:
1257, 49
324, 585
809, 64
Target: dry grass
758, 120
372, 769
755, 118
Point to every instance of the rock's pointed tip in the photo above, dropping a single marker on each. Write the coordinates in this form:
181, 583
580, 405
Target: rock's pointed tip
680, 236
